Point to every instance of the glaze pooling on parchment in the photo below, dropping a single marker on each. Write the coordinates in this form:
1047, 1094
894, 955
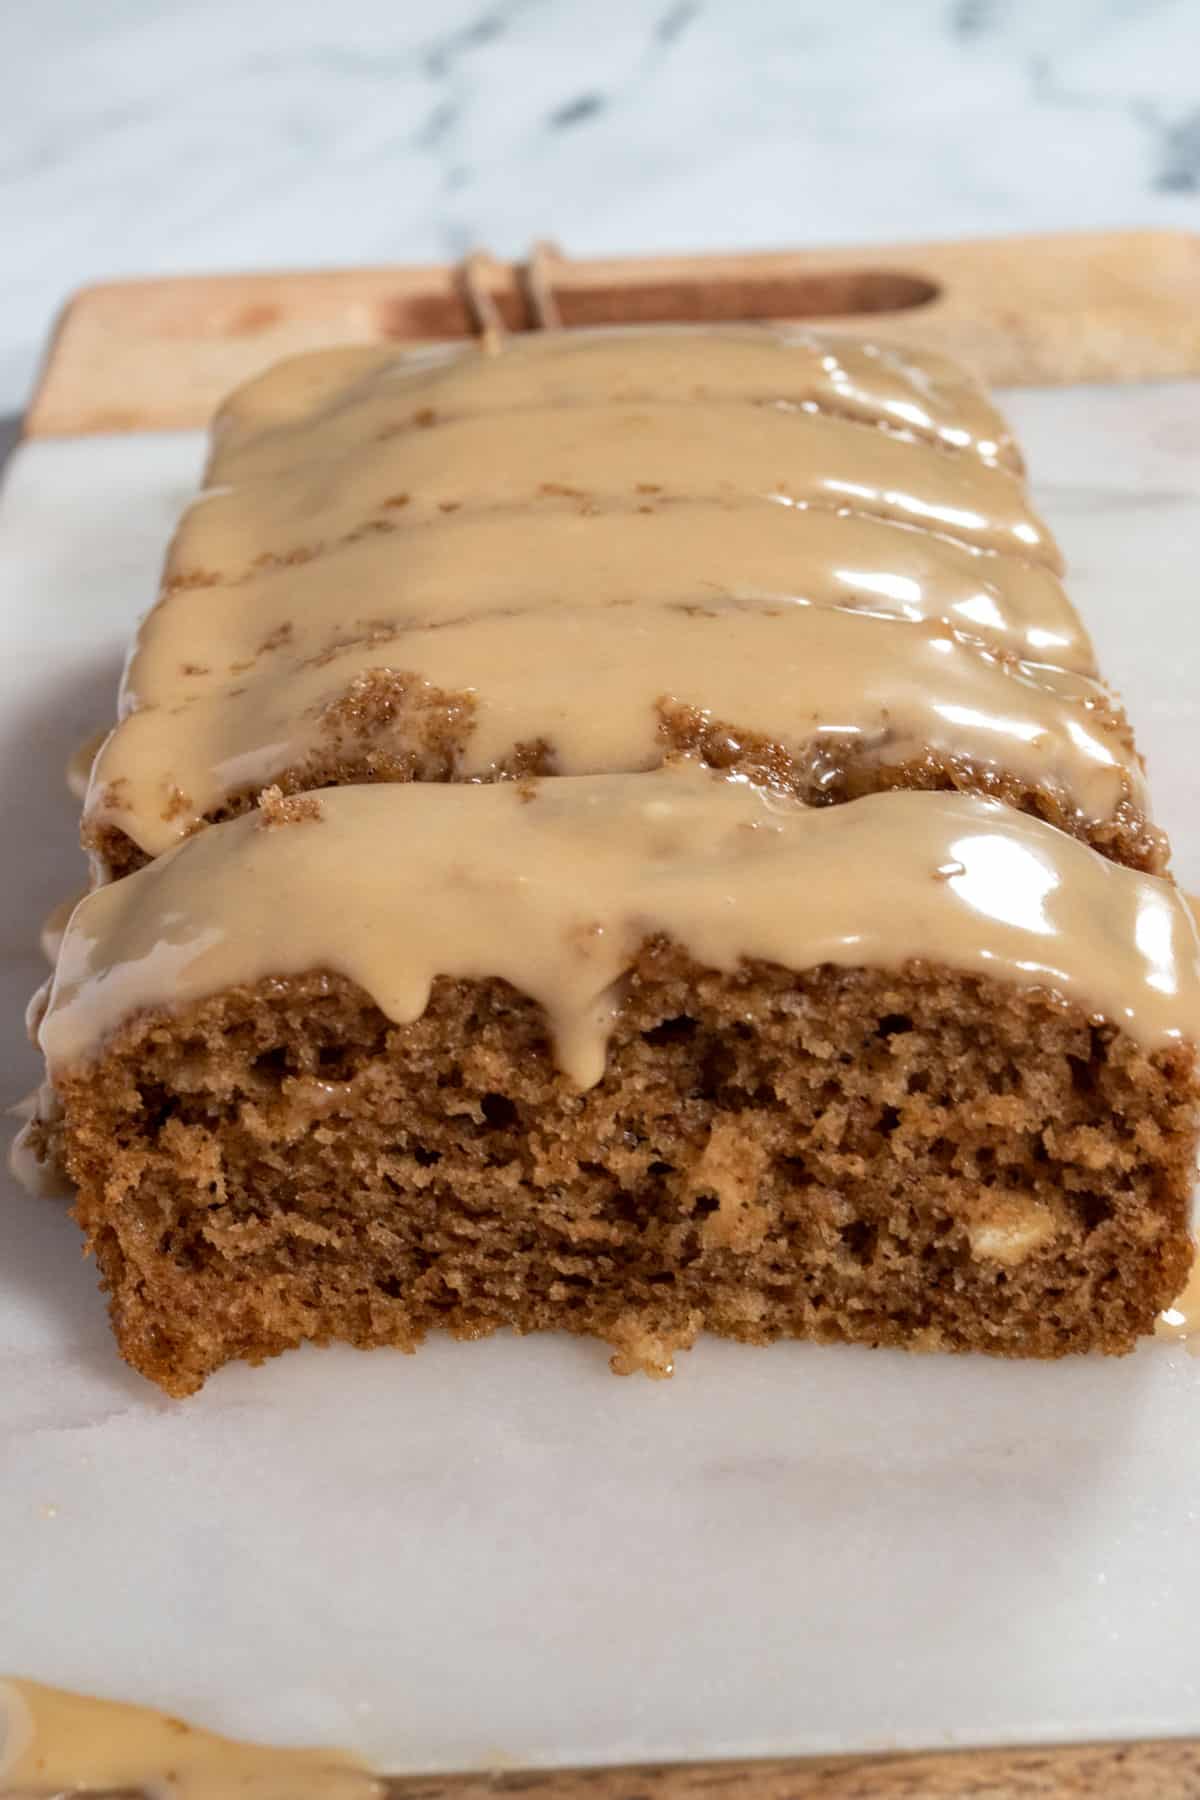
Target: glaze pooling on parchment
554, 885
735, 521
54, 1743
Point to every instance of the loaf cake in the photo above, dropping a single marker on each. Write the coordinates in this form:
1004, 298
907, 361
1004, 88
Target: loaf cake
624, 834
397, 574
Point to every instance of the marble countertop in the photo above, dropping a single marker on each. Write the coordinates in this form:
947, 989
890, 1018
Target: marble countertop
496, 1555
604, 1571
162, 136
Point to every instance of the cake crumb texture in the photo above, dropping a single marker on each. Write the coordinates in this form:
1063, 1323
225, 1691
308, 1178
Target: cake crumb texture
276, 808
913, 1158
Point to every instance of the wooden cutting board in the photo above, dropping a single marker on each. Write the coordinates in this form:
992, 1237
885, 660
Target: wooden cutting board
158, 355
1113, 306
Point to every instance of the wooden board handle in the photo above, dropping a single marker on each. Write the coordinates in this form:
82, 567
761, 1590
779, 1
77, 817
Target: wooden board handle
145, 355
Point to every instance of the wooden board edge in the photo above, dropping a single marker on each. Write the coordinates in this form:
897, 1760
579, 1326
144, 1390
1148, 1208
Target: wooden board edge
159, 354
1150, 1769
1141, 1769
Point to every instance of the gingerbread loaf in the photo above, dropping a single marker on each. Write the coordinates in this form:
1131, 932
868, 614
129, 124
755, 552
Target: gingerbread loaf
623, 835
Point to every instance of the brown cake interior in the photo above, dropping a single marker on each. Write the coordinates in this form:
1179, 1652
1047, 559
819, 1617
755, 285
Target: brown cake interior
915, 1158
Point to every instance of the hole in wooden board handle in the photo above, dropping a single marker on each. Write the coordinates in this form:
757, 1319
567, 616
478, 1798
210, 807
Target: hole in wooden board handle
701, 299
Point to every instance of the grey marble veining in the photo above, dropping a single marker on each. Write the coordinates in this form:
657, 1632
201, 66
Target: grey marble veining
146, 136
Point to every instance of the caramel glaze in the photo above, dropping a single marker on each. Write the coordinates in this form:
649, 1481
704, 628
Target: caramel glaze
622, 456
330, 400
78, 772
598, 690
54, 1743
472, 565
553, 885
54, 925
554, 544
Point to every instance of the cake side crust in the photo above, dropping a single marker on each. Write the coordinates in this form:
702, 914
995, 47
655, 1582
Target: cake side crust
833, 771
